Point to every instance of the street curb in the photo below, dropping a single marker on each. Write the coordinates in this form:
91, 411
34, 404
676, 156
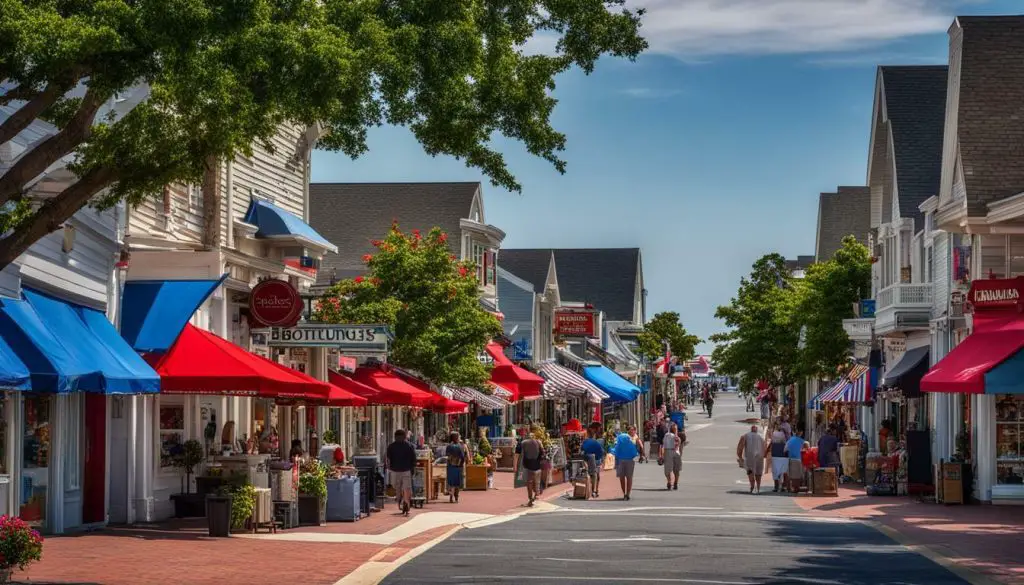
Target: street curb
967, 574
373, 572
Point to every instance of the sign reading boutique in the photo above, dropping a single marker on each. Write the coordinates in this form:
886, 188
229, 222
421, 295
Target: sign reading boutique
363, 339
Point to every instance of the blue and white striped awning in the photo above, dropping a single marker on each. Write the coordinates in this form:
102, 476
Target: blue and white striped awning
854, 388
817, 403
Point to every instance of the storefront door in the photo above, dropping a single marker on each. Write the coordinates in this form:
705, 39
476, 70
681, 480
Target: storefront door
94, 488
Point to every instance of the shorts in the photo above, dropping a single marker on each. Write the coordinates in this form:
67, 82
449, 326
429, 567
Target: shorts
758, 469
796, 469
401, 481
624, 468
673, 463
533, 477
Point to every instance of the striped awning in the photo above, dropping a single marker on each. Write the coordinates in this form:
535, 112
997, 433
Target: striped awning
562, 382
474, 395
502, 393
854, 388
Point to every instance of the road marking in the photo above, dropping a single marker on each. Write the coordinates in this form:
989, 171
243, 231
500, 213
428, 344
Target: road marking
631, 539
737, 516
548, 578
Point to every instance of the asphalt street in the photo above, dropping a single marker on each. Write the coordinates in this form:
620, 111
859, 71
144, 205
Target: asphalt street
711, 531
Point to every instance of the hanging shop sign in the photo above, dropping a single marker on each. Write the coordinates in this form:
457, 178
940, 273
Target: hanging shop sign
350, 339
997, 294
576, 323
275, 303
347, 363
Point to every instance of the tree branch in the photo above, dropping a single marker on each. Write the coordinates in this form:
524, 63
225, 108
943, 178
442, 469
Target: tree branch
53, 213
20, 92
52, 149
35, 106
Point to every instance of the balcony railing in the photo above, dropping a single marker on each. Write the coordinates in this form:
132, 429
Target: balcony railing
858, 329
905, 295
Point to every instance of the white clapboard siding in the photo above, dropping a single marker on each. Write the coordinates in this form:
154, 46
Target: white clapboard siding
83, 274
187, 210
941, 260
278, 175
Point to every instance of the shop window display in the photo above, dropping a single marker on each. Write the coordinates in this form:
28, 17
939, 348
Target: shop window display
172, 433
36, 459
1010, 440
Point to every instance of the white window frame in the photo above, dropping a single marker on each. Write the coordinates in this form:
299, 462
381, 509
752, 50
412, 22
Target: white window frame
73, 437
169, 401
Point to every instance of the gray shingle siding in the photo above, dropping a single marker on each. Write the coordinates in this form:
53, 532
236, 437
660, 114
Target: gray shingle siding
990, 116
351, 215
840, 214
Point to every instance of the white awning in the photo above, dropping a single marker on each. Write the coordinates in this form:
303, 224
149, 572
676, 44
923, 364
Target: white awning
562, 382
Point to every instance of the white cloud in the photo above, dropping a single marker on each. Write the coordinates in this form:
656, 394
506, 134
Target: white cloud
650, 92
691, 29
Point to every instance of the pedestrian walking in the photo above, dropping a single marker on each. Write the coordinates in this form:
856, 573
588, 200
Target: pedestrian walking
660, 431
709, 403
703, 400
785, 427
456, 454
780, 461
641, 453
625, 462
828, 449
401, 460
750, 401
794, 451
531, 458
672, 455
750, 453
593, 450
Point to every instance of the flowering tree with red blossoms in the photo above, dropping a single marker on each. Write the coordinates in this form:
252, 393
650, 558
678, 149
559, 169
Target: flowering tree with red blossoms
428, 298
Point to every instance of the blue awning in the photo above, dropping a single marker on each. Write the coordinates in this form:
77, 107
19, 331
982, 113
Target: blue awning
14, 374
153, 312
617, 387
69, 348
273, 222
1006, 377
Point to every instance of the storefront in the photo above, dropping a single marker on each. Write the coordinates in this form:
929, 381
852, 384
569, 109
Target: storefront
622, 394
988, 368
60, 362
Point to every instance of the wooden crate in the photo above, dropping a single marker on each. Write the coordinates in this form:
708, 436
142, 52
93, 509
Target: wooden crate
476, 477
952, 483
825, 482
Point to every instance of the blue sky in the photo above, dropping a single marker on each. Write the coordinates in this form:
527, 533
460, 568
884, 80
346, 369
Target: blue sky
711, 149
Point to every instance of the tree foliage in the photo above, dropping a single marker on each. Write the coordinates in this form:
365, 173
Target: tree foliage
214, 77
764, 331
783, 328
428, 298
666, 326
832, 288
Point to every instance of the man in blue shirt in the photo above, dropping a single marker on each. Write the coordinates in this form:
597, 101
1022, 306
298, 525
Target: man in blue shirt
593, 451
794, 451
625, 452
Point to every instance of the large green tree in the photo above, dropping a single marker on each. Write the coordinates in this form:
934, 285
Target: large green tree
830, 292
663, 327
429, 299
221, 75
762, 342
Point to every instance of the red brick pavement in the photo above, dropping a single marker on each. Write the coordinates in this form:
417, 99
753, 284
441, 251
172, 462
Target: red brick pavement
986, 539
179, 552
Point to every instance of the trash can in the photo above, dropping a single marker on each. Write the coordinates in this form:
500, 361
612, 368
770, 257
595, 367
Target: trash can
218, 515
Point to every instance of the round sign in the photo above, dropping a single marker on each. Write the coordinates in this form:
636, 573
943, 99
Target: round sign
275, 303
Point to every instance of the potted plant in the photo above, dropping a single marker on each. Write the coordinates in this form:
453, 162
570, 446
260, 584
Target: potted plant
20, 546
188, 504
476, 473
243, 504
313, 494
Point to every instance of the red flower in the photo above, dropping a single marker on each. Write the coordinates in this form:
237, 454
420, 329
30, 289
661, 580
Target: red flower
359, 279
453, 258
416, 234
463, 271
367, 257
443, 237
375, 243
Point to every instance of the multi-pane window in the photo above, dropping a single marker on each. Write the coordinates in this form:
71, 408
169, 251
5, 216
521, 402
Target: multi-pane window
1010, 439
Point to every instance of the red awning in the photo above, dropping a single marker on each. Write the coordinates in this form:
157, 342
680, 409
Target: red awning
448, 406
392, 390
963, 370
200, 362
521, 383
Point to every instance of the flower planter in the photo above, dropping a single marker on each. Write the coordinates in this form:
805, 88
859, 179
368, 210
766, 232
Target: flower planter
312, 511
189, 505
476, 477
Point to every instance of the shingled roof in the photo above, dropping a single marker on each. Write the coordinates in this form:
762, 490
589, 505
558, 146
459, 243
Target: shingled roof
990, 110
350, 215
840, 214
603, 277
915, 107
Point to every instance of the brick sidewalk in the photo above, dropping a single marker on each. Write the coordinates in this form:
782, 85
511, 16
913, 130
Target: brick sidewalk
180, 553
984, 538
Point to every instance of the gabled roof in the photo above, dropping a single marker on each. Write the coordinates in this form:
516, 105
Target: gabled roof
990, 107
603, 277
529, 265
350, 215
915, 107
843, 213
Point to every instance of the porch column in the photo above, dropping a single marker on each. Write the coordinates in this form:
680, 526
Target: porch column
141, 446
983, 416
